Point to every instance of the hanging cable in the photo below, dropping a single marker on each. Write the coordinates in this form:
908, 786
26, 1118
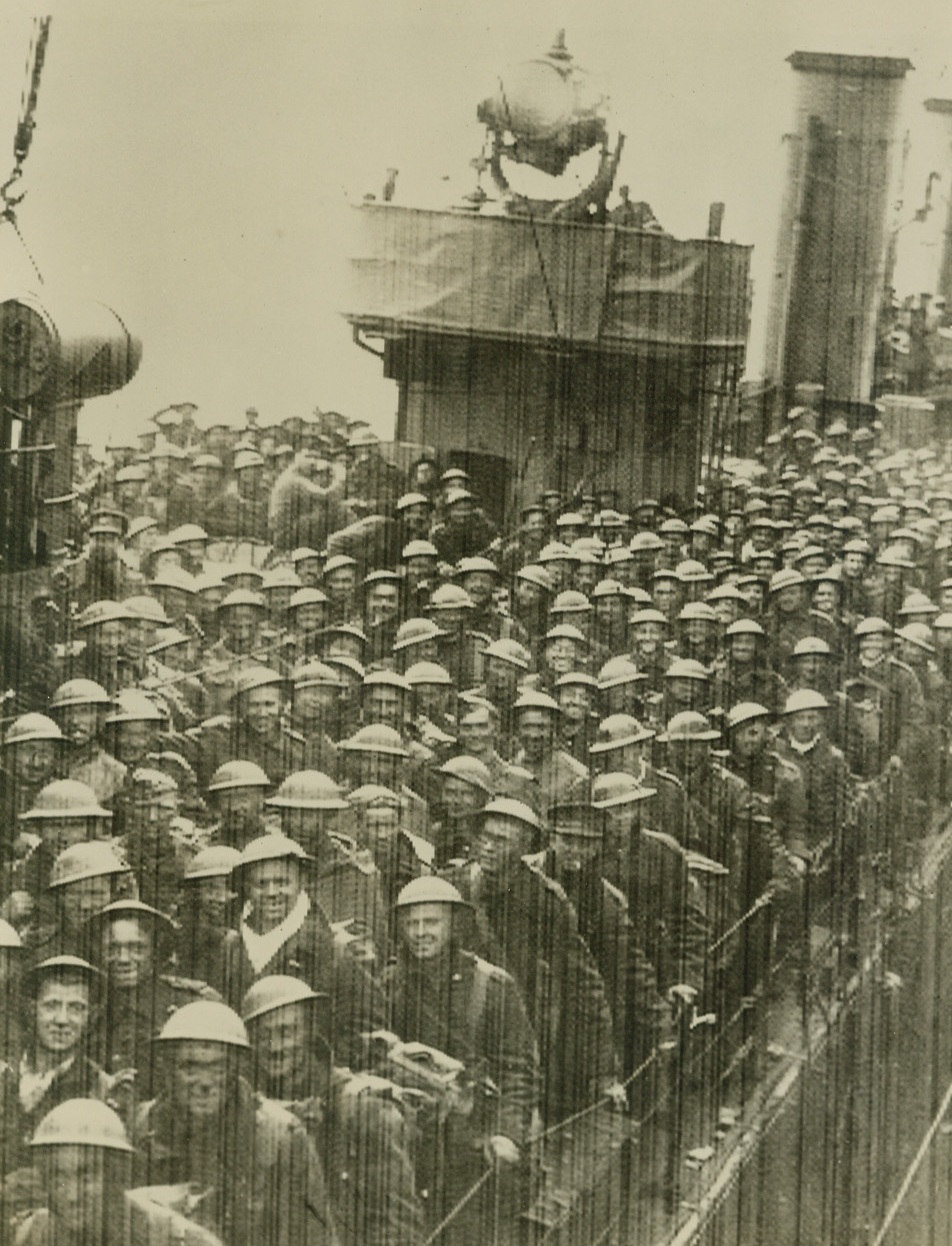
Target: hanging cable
23, 135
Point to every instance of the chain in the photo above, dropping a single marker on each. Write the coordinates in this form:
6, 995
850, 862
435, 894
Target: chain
23, 135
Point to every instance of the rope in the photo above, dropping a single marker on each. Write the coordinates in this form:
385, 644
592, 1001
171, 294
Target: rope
467, 1197
914, 1167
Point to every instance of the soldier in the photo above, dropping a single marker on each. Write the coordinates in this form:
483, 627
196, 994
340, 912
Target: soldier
376, 753
240, 616
133, 944
283, 931
465, 786
156, 842
431, 723
315, 713
480, 736
775, 783
479, 577
261, 1178
398, 854
84, 879
53, 1066
206, 911
79, 706
306, 620
354, 1120
465, 530
527, 924
742, 672
32, 750
341, 880
11, 981
442, 995
237, 790
83, 1161
555, 773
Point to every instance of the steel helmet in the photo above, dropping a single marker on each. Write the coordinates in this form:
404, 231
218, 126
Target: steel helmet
205, 1021
688, 725
307, 789
618, 788
168, 638
147, 782
139, 525
648, 615
531, 700
467, 566
645, 542
346, 663
565, 631
419, 549
745, 712
513, 810
134, 909
811, 646
65, 798
457, 495
271, 847
687, 668
147, 608
570, 602
337, 562
892, 556
416, 632
571, 519
428, 673
79, 692
174, 577
471, 770
82, 1122
532, 573
509, 651
370, 794
673, 527
314, 674
872, 626
95, 859
99, 612
375, 738
745, 627
918, 603
555, 551
450, 597
577, 679
619, 731
132, 705
246, 458
617, 672
253, 677
215, 861
280, 577
942, 622
609, 588
242, 597
232, 774
9, 936
387, 679
277, 990
187, 532
240, 570
29, 727
726, 592
918, 634
303, 553
690, 571
208, 580
787, 578
428, 890
345, 629
362, 437
307, 597
697, 611
407, 500
805, 699
56, 966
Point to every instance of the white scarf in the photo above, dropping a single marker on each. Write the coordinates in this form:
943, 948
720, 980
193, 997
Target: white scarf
802, 748
261, 948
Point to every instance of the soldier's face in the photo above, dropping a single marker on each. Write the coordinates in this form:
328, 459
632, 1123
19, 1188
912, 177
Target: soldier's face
281, 1042
75, 1181
873, 646
853, 564
382, 603
575, 702
340, 583
560, 655
805, 725
477, 738
127, 954
214, 897
273, 887
381, 825
687, 756
749, 738
262, 709
610, 611
61, 833
315, 700
240, 806
32, 762
480, 585
572, 847
309, 618
62, 1014
80, 900
743, 648
825, 598
134, 740
241, 627
461, 798
384, 705
665, 596
427, 929
789, 600
536, 729
80, 723
200, 1079
499, 845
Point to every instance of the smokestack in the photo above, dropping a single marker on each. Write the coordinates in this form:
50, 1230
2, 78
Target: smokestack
833, 245
941, 111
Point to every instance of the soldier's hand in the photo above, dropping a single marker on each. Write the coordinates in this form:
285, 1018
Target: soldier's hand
501, 1150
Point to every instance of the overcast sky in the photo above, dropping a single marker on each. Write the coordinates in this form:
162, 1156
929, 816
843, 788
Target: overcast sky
193, 163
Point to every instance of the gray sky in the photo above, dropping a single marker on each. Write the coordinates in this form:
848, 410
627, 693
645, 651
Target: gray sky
192, 163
